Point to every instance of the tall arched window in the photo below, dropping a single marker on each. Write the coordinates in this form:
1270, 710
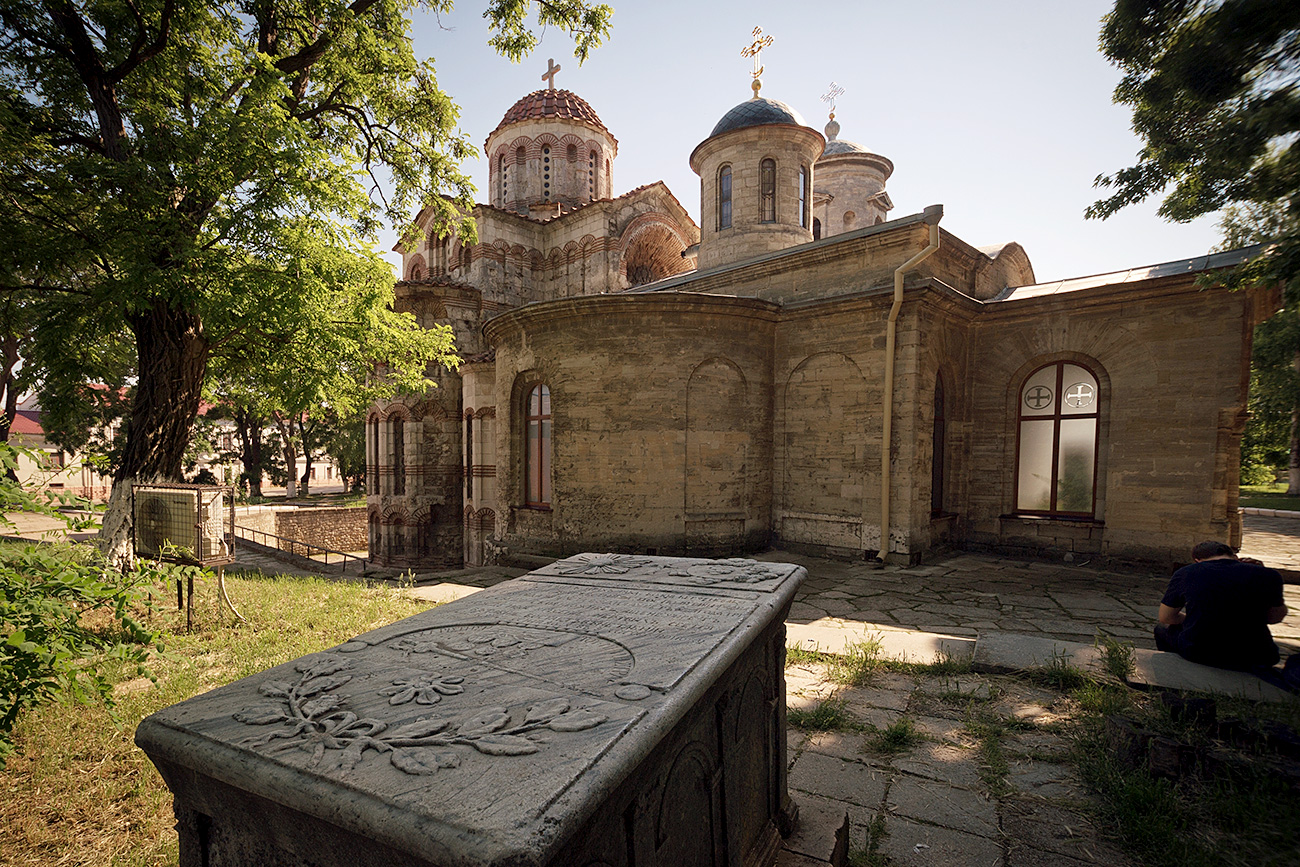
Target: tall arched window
593, 174
399, 456
724, 197
537, 454
520, 165
939, 447
1056, 456
803, 197
501, 177
767, 191
817, 229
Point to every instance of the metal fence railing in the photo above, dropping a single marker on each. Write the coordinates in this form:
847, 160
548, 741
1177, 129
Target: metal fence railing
303, 549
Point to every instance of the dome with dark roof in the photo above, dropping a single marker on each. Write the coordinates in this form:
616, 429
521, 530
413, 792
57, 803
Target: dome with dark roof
551, 105
759, 111
837, 146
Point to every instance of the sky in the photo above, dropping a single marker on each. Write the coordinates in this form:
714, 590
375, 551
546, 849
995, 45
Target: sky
1000, 110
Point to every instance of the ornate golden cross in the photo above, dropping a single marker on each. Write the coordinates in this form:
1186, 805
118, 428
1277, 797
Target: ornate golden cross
831, 95
755, 50
549, 75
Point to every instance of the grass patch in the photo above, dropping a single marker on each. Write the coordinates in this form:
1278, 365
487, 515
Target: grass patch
870, 855
1116, 655
799, 656
1268, 497
858, 665
80, 792
830, 715
900, 735
1059, 675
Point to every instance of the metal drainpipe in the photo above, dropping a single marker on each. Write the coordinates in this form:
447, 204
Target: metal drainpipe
931, 216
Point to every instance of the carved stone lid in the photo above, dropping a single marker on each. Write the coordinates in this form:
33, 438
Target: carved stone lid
484, 731
551, 105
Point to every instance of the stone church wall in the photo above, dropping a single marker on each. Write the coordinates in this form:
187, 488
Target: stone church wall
679, 461
1169, 440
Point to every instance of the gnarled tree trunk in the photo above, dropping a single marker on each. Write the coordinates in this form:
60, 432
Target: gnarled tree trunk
173, 353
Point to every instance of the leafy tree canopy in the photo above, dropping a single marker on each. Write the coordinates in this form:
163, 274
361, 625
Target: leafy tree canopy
190, 181
1215, 93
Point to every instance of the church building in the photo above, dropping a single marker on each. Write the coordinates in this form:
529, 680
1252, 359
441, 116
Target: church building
799, 371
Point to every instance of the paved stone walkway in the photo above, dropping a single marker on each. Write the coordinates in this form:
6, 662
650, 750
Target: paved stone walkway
935, 802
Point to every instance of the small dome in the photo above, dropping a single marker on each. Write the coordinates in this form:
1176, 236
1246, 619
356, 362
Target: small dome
552, 104
759, 111
834, 146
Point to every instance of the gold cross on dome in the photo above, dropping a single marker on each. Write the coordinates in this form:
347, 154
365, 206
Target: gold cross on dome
549, 75
831, 95
755, 50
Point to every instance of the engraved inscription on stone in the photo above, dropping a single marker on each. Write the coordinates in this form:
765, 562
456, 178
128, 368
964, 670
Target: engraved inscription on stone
678, 571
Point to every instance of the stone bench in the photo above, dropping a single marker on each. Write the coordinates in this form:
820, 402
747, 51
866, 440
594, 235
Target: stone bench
605, 710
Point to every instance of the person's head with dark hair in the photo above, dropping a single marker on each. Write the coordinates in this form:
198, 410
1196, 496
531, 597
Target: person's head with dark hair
1210, 550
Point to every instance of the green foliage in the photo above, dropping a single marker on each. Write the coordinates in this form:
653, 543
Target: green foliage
902, 734
829, 715
1059, 674
858, 664
190, 183
1117, 656
1213, 88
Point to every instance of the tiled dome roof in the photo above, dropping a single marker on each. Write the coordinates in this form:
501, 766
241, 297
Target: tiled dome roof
835, 146
551, 104
758, 111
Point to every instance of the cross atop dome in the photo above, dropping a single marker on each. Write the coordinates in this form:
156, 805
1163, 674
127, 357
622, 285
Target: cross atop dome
755, 50
549, 75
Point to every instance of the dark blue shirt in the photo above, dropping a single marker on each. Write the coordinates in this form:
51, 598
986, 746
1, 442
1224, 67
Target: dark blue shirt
1227, 604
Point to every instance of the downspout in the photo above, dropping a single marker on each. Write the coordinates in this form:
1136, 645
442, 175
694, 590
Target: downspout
931, 216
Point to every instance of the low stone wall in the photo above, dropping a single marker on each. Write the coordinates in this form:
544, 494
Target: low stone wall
334, 527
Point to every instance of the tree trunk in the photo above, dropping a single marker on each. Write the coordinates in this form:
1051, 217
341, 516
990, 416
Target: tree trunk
9, 383
1293, 468
285, 427
249, 425
173, 357
304, 431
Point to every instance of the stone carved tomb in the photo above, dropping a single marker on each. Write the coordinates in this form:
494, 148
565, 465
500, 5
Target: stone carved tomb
605, 710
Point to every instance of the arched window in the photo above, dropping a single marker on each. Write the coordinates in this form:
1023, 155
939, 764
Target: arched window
546, 172
469, 457
537, 454
399, 456
520, 166
1056, 456
724, 197
501, 177
591, 175
817, 229
938, 446
767, 191
849, 219
803, 197
373, 475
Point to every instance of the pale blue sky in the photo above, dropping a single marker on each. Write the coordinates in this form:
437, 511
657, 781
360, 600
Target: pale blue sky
1000, 111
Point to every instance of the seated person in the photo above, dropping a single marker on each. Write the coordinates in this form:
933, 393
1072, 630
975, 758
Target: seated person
1217, 610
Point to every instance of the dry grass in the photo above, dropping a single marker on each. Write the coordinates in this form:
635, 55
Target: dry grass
80, 792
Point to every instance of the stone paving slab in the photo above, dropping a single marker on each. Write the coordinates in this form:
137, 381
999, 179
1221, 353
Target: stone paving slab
1005, 652
836, 635
445, 591
1171, 671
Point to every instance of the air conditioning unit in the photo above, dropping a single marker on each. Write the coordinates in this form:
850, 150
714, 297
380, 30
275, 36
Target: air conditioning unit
185, 523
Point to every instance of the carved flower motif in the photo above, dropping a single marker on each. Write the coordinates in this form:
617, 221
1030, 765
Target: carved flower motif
322, 724
423, 690
602, 564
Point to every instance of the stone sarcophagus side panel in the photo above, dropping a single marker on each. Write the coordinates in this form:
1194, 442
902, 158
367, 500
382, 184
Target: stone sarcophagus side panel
605, 710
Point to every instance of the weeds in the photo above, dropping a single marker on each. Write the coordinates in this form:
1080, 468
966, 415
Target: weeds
1059, 674
870, 855
1116, 656
797, 655
858, 665
830, 715
900, 735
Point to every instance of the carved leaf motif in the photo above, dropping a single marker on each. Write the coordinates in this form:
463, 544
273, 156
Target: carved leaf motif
320, 684
547, 710
320, 668
423, 762
274, 689
487, 722
504, 745
261, 716
576, 721
422, 728
320, 706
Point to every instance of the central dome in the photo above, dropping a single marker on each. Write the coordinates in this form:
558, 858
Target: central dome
551, 105
759, 111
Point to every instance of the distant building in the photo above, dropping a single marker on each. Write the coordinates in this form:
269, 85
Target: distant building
636, 383
54, 469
